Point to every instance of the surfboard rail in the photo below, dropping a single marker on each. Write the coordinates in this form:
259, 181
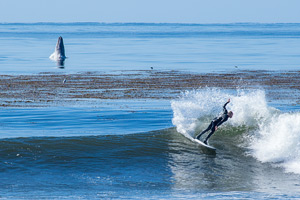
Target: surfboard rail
204, 145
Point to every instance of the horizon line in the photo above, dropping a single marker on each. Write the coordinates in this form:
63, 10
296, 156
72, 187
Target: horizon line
143, 23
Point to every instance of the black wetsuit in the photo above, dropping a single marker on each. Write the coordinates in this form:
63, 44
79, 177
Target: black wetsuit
215, 122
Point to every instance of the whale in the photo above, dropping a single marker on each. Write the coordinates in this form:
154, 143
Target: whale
59, 52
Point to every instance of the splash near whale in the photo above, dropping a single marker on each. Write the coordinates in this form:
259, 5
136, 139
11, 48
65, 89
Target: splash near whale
59, 52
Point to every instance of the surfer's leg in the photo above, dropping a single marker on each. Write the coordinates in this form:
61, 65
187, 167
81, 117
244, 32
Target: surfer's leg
213, 128
208, 128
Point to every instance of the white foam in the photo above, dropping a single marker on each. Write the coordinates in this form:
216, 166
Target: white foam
276, 135
278, 141
249, 108
55, 56
193, 105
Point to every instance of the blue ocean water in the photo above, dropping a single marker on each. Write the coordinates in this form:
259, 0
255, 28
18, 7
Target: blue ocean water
141, 149
25, 48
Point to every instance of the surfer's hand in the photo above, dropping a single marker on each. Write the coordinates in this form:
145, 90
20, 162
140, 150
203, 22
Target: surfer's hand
228, 100
216, 128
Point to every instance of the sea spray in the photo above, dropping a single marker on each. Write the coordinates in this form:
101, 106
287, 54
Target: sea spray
250, 108
198, 107
273, 137
278, 141
193, 105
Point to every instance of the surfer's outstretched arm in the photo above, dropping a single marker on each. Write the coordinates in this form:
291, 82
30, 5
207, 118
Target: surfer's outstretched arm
224, 107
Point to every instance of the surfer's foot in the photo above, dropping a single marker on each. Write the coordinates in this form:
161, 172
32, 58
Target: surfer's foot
198, 137
205, 142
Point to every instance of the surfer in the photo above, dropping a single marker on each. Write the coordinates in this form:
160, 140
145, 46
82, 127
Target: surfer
216, 122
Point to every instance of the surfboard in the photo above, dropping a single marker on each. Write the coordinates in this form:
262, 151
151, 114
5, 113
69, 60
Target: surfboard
205, 145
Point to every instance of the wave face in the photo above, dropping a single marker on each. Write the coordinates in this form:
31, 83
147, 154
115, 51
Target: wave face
89, 167
269, 135
152, 165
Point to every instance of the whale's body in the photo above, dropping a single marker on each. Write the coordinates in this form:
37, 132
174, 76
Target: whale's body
59, 52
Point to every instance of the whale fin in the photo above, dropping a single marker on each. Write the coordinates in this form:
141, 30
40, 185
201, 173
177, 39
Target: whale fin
59, 52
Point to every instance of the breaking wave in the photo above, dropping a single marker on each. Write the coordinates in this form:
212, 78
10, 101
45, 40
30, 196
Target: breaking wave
271, 135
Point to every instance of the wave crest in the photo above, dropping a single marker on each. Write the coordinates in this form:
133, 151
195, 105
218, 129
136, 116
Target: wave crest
200, 106
273, 137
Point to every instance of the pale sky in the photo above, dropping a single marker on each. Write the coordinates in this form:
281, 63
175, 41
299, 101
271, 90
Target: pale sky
151, 11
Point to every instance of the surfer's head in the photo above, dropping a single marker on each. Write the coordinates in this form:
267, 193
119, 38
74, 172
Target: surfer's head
230, 114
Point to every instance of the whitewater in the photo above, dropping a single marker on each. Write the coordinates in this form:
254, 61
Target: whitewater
269, 135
